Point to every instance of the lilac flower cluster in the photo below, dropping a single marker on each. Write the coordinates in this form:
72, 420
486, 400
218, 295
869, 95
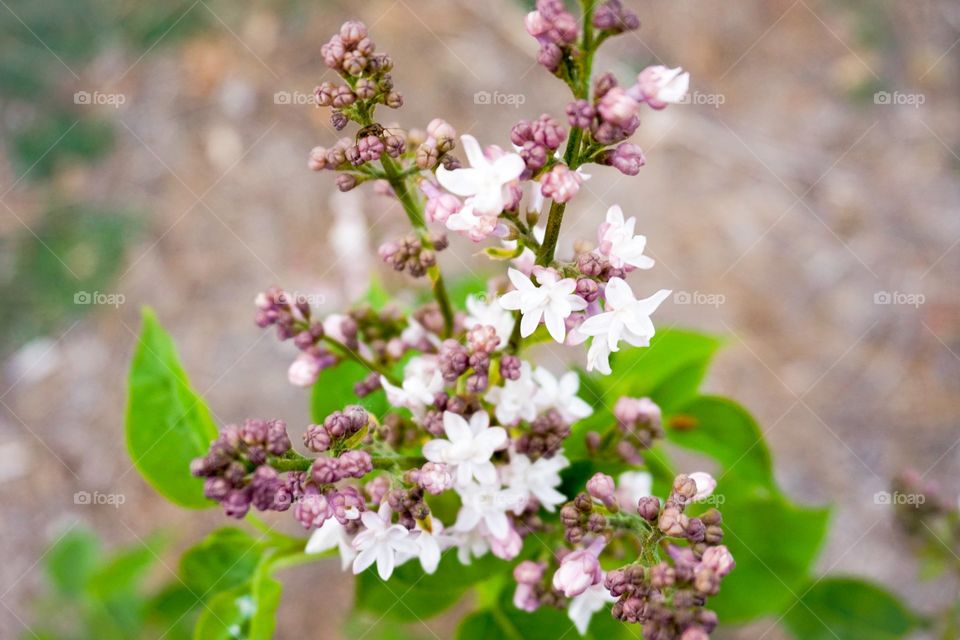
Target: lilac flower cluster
470, 415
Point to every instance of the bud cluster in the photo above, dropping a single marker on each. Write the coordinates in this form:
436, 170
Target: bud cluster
337, 427
236, 469
409, 254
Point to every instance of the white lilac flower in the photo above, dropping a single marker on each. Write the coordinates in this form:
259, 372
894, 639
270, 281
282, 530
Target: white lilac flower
332, 534
598, 356
513, 401
483, 313
415, 334
430, 545
485, 182
618, 242
488, 505
552, 301
472, 544
624, 317
537, 480
468, 447
469, 222
633, 485
705, 485
560, 394
659, 86
583, 606
381, 541
421, 382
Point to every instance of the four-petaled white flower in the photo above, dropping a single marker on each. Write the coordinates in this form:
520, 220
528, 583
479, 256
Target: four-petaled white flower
421, 382
618, 242
381, 541
487, 504
538, 479
430, 545
624, 318
513, 401
583, 606
482, 313
468, 447
332, 534
560, 394
552, 301
485, 182
660, 86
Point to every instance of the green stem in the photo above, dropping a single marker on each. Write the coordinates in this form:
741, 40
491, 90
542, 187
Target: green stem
295, 462
356, 357
572, 152
397, 179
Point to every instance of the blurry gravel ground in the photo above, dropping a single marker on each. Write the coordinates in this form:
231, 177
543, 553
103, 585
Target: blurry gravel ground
795, 200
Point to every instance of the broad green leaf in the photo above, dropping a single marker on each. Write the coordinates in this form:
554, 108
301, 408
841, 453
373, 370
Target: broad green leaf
266, 592
774, 543
173, 611
641, 371
70, 562
246, 611
167, 424
123, 571
725, 431
226, 616
850, 609
334, 390
410, 594
225, 559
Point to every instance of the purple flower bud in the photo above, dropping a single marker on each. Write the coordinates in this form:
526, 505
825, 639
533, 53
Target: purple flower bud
370, 148
528, 572
617, 107
601, 487
352, 32
236, 503
510, 367
325, 470
215, 488
560, 183
278, 442
580, 113
345, 502
628, 158
316, 438
355, 464
312, 509
324, 93
377, 489
550, 56
333, 52
338, 121
588, 289
346, 182
393, 100
343, 96
719, 560
649, 508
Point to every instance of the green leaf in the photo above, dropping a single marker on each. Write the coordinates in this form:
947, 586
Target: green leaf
224, 559
167, 423
246, 611
410, 594
123, 572
850, 609
71, 560
335, 386
376, 296
725, 431
459, 288
774, 543
674, 356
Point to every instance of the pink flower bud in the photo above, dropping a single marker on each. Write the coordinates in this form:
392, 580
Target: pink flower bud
560, 183
601, 487
719, 560
304, 371
528, 572
509, 547
435, 478
617, 107
578, 572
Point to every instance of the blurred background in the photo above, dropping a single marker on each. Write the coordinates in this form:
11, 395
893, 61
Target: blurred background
804, 204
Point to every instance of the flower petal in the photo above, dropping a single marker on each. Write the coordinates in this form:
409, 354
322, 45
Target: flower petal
462, 182
473, 151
